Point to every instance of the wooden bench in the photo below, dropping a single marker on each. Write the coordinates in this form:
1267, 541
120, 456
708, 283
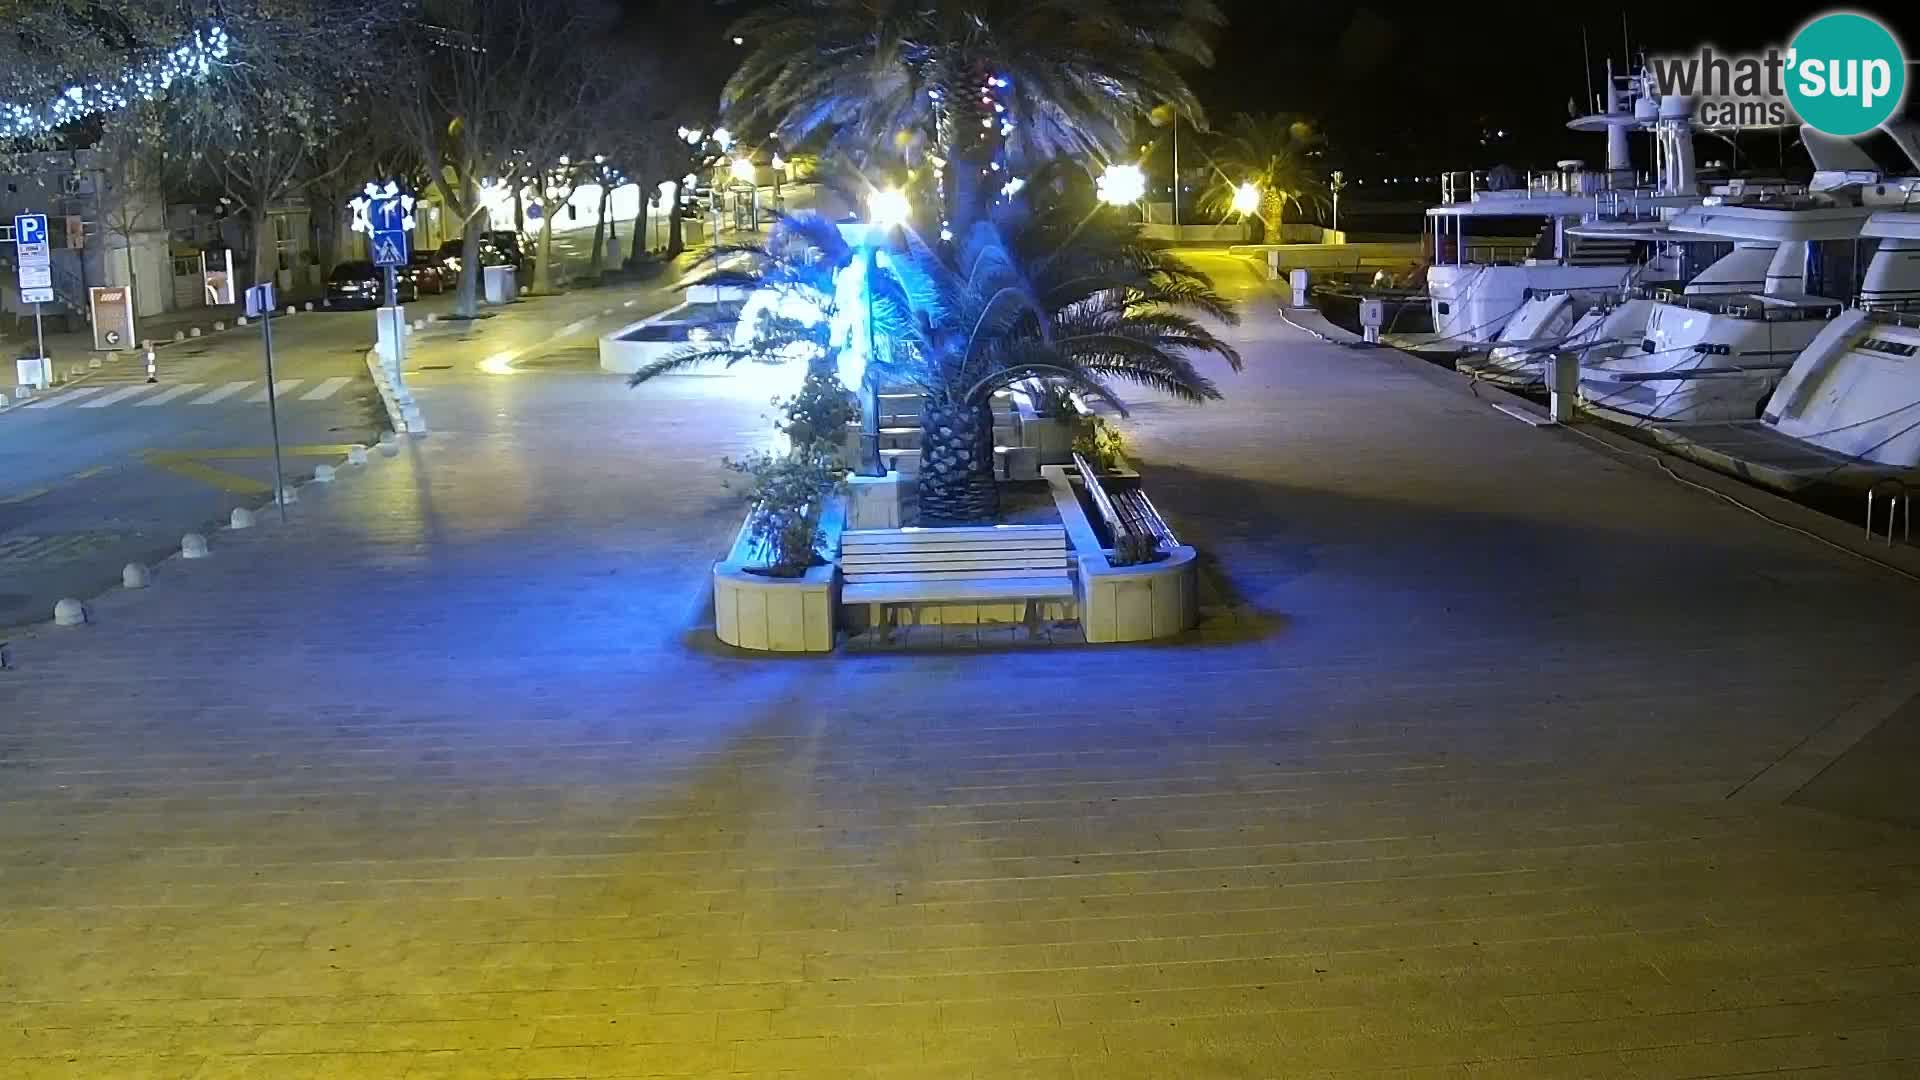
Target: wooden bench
882, 567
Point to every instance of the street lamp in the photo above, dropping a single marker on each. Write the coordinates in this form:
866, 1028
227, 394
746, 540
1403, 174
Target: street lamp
1246, 198
742, 170
889, 208
1121, 185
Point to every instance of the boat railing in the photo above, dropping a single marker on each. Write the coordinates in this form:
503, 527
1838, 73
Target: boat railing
1899, 501
1612, 189
1754, 308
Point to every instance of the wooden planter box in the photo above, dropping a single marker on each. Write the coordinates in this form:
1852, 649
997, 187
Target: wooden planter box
769, 614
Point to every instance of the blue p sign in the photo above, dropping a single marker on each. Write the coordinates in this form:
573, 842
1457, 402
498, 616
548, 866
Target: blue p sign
30, 229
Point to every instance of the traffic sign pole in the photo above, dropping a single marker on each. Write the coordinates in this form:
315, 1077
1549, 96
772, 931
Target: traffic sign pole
273, 414
40, 349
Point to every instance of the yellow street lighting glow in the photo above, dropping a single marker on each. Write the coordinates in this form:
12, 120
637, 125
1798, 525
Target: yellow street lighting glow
889, 208
1246, 198
743, 170
1121, 185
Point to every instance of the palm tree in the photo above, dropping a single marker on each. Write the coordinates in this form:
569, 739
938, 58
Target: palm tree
958, 79
1272, 152
1034, 296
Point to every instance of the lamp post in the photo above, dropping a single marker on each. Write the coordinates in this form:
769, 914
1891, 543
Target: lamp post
886, 211
1121, 185
1339, 181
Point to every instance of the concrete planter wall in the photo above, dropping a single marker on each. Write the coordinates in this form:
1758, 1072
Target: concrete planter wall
768, 614
1125, 603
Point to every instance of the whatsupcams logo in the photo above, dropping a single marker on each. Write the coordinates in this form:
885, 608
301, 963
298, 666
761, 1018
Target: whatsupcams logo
1844, 74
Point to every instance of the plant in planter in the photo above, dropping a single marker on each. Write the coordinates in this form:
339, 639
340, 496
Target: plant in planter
788, 492
1133, 549
1100, 443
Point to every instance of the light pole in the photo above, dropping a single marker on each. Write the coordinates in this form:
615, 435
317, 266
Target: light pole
1339, 181
1121, 185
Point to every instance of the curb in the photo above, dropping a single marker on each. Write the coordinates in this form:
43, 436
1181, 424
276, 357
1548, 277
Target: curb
403, 412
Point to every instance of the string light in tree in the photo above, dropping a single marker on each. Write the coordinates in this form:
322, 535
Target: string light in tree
191, 61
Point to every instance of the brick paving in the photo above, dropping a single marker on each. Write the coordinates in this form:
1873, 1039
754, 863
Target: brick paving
446, 780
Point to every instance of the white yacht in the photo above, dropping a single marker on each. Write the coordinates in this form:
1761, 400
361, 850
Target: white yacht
1714, 354
1847, 413
1585, 252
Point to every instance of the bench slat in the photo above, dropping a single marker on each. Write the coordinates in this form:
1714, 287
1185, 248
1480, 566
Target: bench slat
1057, 588
870, 558
943, 573
936, 536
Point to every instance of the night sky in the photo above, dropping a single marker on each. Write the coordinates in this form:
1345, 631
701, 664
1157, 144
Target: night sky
1405, 87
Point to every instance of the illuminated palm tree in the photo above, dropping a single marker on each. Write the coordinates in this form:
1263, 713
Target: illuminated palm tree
1272, 153
958, 81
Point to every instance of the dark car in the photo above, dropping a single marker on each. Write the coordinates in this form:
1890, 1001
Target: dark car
424, 273
500, 247
362, 284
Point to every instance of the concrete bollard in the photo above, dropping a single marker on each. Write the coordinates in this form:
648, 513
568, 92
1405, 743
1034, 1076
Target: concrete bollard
419, 324
309, 305
179, 335
357, 455
193, 546
241, 518
289, 495
241, 321
291, 310
93, 363
323, 474
433, 316
195, 332
218, 326
69, 612
134, 576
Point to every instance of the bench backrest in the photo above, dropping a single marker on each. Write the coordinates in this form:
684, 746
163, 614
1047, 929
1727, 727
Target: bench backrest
997, 551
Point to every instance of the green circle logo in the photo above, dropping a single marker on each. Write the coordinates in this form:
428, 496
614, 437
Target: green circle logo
1846, 74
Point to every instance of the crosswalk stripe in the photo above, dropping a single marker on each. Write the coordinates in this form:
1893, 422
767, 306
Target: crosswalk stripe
279, 389
227, 390
326, 389
71, 395
121, 394
169, 394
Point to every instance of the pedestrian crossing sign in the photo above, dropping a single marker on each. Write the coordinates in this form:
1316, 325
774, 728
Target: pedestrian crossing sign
390, 247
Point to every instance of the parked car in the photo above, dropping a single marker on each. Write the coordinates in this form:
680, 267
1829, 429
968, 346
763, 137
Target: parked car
424, 272
501, 247
362, 284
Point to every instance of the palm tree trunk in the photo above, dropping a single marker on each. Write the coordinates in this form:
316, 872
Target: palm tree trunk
956, 464
1272, 210
676, 242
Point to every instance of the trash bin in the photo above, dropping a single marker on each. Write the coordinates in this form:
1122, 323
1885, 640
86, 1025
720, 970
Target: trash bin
499, 283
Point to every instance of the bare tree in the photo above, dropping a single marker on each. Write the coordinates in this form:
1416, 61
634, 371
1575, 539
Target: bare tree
478, 81
291, 76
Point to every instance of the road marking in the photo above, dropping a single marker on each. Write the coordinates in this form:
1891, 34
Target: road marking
86, 473
207, 474
326, 389
71, 395
224, 392
121, 394
575, 327
169, 394
279, 390
236, 452
63, 547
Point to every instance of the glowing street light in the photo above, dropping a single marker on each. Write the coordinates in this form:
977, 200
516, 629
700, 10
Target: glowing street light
1246, 198
1121, 185
889, 208
742, 169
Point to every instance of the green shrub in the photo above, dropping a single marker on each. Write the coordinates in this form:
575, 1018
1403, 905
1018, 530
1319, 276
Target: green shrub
788, 491
1100, 443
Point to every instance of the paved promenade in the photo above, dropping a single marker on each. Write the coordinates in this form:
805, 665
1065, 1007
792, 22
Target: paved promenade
1463, 787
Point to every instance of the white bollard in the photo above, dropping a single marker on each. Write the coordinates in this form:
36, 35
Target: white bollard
433, 317
195, 332
134, 576
323, 474
309, 305
241, 321
1564, 374
218, 326
193, 546
93, 363
69, 612
241, 518
289, 496
419, 324
357, 455
179, 335
291, 310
